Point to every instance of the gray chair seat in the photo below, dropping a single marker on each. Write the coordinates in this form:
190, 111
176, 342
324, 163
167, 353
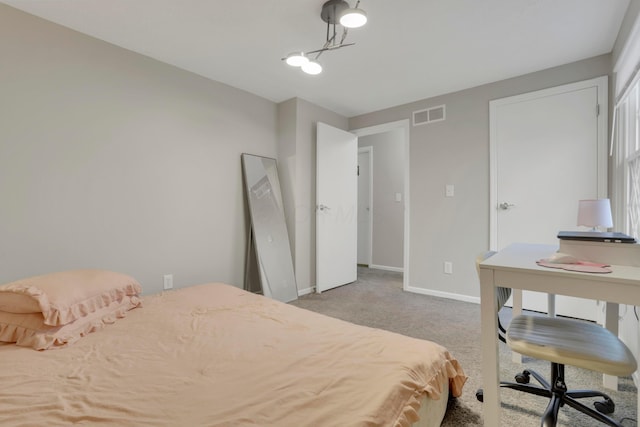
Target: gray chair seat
562, 342
570, 342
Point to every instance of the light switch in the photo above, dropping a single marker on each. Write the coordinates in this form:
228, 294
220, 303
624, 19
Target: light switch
398, 197
448, 267
448, 190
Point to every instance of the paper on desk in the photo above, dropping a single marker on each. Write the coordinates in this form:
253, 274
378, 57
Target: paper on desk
582, 266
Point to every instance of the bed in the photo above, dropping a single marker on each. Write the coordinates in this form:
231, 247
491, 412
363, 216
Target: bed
215, 355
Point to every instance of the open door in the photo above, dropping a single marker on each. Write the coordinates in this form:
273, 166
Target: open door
336, 207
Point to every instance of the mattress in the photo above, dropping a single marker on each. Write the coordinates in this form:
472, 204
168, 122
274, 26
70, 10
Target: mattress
215, 355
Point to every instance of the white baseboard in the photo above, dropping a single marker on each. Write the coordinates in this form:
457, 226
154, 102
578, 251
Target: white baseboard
387, 268
430, 292
306, 291
448, 295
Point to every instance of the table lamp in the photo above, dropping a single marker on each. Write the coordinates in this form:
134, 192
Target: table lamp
595, 213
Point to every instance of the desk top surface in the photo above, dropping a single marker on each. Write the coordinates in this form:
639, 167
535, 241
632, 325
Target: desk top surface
522, 257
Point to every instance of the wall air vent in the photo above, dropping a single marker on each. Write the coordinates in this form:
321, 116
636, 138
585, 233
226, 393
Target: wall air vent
429, 115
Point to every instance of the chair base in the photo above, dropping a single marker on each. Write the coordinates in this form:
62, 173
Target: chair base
558, 395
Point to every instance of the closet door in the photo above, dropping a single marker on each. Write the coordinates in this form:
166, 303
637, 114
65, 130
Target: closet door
548, 150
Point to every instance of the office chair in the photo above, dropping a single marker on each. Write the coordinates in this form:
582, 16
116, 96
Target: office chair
563, 341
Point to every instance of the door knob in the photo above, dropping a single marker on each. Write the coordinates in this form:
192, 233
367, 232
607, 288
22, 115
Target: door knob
505, 206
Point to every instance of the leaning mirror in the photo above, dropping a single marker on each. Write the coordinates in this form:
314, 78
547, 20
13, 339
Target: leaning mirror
268, 235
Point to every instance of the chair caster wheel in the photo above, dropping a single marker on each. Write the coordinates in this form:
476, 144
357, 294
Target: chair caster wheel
605, 406
523, 378
480, 395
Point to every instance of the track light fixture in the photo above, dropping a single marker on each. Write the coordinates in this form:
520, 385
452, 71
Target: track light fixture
353, 18
334, 13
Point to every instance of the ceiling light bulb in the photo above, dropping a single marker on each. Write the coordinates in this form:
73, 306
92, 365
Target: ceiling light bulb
353, 18
296, 59
312, 67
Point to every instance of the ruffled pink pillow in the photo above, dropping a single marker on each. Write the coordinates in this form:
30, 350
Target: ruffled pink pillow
29, 329
68, 295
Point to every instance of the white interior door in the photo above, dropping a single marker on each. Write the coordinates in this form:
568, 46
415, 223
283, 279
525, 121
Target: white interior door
336, 207
548, 150
365, 231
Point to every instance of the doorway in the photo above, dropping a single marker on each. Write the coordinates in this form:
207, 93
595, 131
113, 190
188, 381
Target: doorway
389, 197
365, 198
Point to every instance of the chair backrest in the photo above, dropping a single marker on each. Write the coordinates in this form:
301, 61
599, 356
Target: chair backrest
502, 294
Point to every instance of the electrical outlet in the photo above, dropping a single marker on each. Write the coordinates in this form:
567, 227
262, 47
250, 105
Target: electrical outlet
168, 281
448, 267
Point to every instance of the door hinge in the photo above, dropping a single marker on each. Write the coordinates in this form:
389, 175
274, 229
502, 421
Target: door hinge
358, 171
597, 109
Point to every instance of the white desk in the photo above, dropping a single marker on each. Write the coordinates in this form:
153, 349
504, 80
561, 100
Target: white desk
515, 267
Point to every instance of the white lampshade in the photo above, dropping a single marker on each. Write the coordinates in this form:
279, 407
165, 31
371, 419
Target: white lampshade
595, 213
353, 18
296, 59
312, 67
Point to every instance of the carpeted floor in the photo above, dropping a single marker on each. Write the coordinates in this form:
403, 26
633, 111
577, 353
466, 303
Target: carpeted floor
377, 300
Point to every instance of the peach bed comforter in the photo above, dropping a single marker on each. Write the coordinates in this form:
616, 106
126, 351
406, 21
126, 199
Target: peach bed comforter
214, 355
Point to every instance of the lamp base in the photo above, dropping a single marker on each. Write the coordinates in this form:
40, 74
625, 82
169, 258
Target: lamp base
332, 10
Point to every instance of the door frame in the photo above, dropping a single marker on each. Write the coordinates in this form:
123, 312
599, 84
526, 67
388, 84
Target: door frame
369, 151
603, 119
386, 127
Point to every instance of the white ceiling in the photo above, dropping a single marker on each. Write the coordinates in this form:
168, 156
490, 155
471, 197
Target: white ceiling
409, 50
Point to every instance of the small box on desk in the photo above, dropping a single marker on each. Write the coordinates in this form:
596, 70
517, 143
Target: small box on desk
603, 252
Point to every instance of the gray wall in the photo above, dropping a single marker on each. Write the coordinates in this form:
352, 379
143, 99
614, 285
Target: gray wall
388, 215
456, 151
109, 159
625, 29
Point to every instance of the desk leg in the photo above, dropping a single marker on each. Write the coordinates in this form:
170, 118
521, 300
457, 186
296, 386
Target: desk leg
611, 313
551, 305
517, 311
490, 361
